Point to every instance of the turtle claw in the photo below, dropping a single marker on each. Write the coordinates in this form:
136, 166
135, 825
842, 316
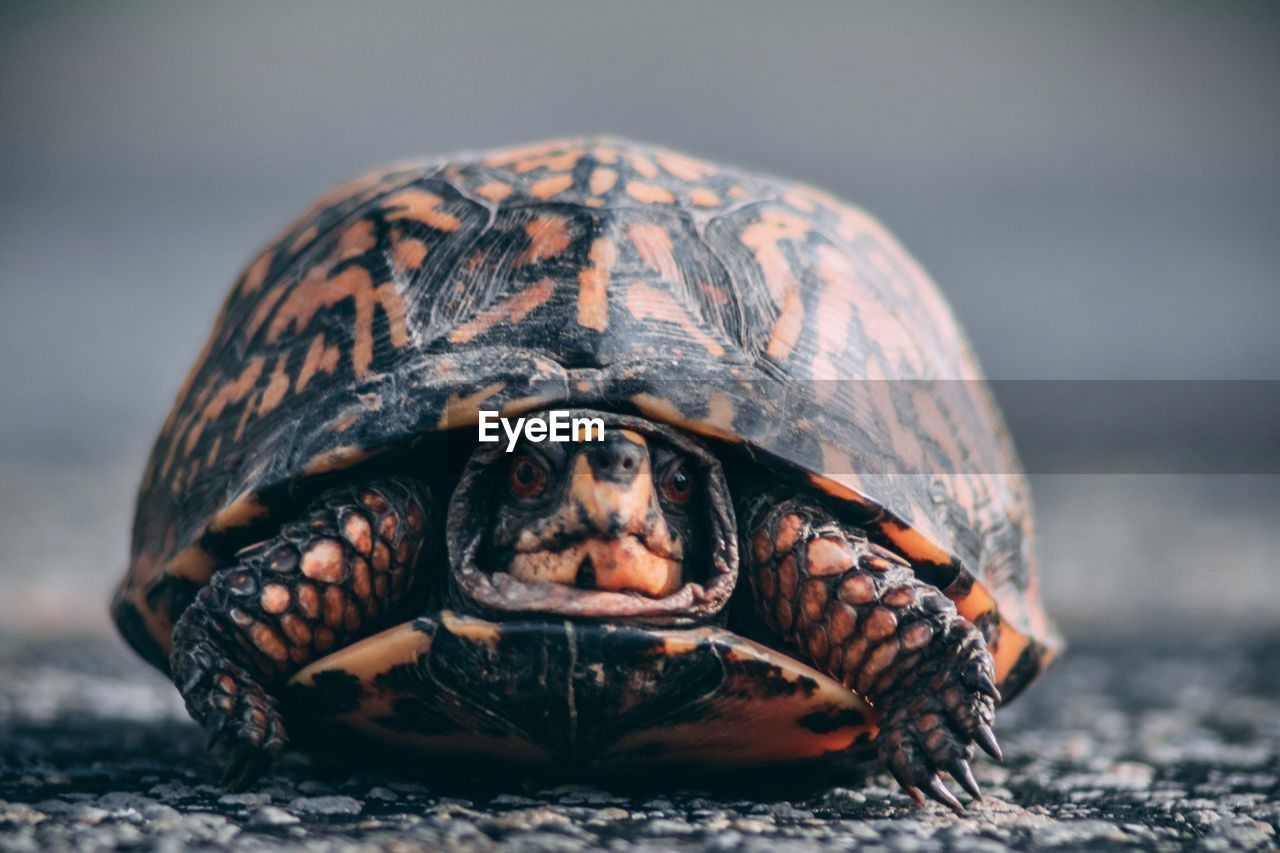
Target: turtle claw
983, 684
962, 773
935, 788
245, 766
985, 738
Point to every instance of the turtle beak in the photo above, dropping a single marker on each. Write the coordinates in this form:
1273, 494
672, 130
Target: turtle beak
628, 544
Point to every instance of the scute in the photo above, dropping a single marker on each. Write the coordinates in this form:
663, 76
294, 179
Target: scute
752, 311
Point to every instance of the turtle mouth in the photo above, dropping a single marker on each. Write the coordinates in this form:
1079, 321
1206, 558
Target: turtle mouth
589, 580
626, 564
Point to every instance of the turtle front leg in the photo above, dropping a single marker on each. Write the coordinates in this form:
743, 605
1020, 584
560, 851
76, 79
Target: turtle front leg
858, 612
339, 572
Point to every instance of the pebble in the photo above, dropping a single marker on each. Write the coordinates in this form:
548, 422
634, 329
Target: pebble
272, 816
330, 805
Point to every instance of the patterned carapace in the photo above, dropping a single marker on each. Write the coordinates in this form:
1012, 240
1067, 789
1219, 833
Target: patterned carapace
751, 311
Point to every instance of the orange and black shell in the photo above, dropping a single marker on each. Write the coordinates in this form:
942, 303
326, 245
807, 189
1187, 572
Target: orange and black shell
757, 313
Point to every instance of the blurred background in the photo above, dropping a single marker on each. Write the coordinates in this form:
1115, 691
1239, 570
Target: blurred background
1095, 185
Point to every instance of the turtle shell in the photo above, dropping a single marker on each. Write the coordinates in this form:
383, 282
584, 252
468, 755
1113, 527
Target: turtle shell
761, 314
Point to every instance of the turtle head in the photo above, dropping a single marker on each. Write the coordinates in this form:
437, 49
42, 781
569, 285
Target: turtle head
629, 519
610, 514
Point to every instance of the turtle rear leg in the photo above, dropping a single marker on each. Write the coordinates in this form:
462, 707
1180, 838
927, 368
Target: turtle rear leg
859, 613
343, 570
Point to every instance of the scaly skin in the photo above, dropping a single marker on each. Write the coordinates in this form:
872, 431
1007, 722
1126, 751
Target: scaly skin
858, 612
338, 573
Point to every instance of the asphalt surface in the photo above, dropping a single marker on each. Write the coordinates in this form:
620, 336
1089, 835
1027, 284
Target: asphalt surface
1165, 744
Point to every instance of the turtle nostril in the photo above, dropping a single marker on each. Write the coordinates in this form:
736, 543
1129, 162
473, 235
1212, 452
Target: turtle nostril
617, 459
586, 578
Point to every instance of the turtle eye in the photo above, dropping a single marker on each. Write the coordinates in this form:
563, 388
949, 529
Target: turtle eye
527, 477
677, 484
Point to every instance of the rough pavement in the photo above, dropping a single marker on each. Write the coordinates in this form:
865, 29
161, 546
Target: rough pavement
1166, 745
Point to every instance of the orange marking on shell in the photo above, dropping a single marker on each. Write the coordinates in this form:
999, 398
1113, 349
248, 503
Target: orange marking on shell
1009, 646
244, 509
409, 253
605, 154
420, 206
642, 164
660, 409
320, 358
324, 561
193, 563
318, 291
464, 410
602, 180
214, 450
648, 193
787, 328
833, 315
548, 187
765, 238
799, 201
548, 236
914, 544
356, 239
513, 156
338, 459
593, 285
648, 303
653, 245
840, 486
563, 161
513, 309
261, 312
703, 197
256, 273
683, 167
494, 190
305, 236
235, 391
277, 387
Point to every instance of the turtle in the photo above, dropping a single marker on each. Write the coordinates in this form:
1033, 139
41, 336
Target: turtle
751, 502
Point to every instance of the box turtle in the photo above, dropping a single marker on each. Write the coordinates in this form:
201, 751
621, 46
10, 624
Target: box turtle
791, 529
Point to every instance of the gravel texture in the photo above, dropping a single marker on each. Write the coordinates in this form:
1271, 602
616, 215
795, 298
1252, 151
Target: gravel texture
1163, 745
